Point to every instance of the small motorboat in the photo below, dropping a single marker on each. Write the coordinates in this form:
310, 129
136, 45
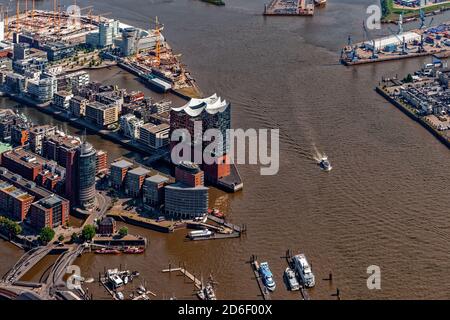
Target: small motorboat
325, 164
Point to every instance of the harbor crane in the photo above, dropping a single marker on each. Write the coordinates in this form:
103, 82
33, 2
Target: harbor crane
367, 35
402, 41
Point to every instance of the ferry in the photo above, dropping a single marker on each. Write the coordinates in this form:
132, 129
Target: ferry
291, 280
303, 270
267, 276
325, 164
205, 233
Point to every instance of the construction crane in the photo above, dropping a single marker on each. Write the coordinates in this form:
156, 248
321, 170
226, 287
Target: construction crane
158, 28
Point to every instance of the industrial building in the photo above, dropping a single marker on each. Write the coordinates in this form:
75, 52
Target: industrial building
392, 40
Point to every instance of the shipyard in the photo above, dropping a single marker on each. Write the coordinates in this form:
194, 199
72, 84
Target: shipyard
400, 44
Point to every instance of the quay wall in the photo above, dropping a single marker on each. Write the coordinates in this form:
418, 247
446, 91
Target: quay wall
411, 115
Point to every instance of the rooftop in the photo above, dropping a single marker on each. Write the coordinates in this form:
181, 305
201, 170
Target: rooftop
157, 178
140, 171
122, 164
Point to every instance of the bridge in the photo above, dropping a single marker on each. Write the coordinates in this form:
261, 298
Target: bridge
26, 262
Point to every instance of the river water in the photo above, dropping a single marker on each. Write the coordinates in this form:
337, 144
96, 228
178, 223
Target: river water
386, 201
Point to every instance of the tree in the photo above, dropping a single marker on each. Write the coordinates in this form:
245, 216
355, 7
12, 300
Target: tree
46, 235
74, 237
123, 231
408, 78
88, 232
61, 238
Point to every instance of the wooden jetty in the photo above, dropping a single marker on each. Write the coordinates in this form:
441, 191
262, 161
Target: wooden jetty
255, 267
187, 274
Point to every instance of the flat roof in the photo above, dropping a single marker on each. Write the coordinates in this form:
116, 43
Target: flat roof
140, 171
122, 164
157, 178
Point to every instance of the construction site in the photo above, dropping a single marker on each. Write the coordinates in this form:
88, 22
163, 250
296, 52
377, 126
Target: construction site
66, 34
400, 44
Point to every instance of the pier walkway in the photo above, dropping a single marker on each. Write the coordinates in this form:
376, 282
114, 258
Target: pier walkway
187, 274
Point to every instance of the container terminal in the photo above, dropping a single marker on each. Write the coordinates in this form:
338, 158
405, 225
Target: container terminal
292, 7
400, 44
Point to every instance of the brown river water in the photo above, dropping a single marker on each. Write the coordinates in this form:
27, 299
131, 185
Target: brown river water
384, 203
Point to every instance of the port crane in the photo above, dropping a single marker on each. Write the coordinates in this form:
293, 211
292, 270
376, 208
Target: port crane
422, 18
367, 35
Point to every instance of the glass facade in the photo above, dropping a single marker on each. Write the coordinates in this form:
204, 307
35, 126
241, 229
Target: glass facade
86, 175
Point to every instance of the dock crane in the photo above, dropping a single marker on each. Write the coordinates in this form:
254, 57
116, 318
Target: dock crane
374, 50
422, 18
402, 40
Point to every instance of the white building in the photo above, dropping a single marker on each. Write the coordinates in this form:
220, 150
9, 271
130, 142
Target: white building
154, 136
42, 90
130, 126
396, 40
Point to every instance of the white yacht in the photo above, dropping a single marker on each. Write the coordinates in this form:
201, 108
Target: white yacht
303, 270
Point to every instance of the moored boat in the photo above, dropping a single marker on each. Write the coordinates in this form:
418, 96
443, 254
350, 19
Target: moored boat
304, 270
107, 251
267, 276
291, 280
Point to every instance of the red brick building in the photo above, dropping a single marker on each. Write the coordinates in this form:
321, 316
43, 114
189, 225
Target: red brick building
14, 202
51, 212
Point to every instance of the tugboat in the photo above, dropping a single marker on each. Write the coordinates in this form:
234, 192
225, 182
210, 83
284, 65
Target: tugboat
291, 280
303, 270
325, 164
267, 276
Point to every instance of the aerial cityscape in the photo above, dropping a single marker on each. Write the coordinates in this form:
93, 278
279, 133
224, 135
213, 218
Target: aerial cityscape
224, 150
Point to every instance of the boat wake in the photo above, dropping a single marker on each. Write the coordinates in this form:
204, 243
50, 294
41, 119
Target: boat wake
316, 154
